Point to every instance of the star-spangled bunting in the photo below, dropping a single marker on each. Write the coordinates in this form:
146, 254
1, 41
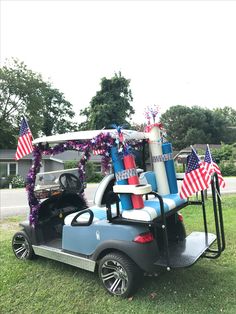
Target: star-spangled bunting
24, 146
98, 152
196, 177
212, 167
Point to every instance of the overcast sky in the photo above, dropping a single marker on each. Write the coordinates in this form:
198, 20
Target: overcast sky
174, 52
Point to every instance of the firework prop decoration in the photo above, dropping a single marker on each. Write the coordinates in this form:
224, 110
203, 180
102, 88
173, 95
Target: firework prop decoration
151, 113
158, 160
129, 163
170, 167
120, 175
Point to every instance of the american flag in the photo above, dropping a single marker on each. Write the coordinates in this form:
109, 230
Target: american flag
24, 146
212, 167
196, 177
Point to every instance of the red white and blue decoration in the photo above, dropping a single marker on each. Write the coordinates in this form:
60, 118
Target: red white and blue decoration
212, 167
101, 144
24, 146
196, 177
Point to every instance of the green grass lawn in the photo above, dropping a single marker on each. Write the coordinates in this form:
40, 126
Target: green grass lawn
44, 286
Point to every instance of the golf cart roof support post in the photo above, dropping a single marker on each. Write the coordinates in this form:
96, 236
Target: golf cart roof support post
143, 156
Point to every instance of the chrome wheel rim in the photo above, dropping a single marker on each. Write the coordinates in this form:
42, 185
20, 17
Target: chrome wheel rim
114, 277
20, 247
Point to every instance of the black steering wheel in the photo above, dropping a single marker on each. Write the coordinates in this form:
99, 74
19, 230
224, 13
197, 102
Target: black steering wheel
70, 183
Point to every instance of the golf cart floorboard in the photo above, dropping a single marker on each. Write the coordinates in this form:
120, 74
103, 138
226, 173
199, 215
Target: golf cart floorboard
186, 253
55, 243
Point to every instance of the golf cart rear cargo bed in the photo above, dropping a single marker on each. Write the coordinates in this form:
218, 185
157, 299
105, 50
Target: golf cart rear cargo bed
187, 252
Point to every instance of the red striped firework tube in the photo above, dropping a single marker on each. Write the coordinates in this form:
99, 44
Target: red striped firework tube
129, 163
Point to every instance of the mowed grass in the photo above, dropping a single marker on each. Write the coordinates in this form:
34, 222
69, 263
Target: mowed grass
44, 286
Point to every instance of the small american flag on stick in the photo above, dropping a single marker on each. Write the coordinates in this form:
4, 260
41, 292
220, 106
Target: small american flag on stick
196, 177
24, 146
212, 167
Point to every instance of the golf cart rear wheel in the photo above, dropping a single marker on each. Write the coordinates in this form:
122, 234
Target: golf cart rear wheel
118, 274
21, 246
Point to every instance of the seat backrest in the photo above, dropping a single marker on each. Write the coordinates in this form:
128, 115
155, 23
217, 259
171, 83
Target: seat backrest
105, 186
149, 177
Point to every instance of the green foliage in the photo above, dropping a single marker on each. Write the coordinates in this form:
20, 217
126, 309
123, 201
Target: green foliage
110, 105
91, 175
179, 168
226, 152
70, 164
24, 92
228, 113
228, 168
194, 125
17, 182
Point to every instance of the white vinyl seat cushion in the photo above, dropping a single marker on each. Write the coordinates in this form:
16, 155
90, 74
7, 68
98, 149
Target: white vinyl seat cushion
152, 208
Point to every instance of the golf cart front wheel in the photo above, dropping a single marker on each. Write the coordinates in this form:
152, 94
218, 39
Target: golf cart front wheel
118, 274
21, 246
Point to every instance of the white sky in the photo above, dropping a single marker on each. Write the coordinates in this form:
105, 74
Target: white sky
174, 52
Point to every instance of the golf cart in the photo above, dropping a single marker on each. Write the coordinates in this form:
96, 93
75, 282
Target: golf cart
134, 225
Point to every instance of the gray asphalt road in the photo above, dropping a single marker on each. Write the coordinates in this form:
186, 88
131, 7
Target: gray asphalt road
14, 202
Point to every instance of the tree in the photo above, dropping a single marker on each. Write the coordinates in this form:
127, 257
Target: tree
110, 105
229, 115
24, 92
191, 125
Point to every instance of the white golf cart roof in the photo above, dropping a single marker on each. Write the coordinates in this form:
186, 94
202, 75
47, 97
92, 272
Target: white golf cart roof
87, 135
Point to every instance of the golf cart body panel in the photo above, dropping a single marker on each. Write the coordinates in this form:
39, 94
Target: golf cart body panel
89, 237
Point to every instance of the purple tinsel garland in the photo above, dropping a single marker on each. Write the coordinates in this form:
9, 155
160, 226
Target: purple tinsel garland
34, 204
103, 142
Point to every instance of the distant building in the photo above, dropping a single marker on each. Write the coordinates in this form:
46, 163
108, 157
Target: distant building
181, 156
10, 167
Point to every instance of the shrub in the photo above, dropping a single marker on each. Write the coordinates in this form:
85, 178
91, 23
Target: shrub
91, 175
226, 152
17, 182
96, 177
70, 164
228, 168
179, 168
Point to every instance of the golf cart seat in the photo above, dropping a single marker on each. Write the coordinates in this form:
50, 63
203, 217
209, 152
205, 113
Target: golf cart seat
152, 208
149, 177
105, 186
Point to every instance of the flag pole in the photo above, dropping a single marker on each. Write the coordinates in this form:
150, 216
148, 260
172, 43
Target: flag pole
24, 117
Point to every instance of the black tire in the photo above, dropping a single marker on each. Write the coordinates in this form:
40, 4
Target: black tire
119, 274
22, 247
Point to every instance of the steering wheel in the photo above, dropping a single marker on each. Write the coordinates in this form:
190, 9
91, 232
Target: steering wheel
70, 183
